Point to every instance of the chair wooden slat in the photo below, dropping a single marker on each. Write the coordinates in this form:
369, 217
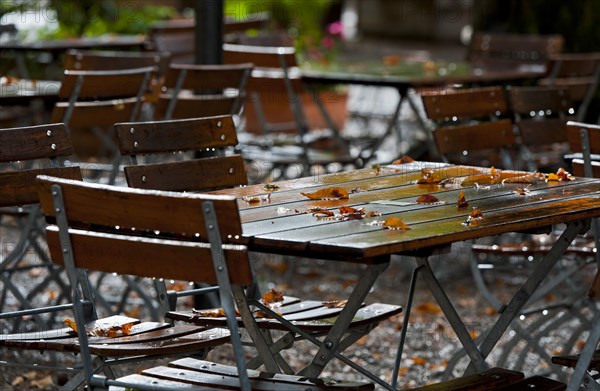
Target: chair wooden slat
129, 208
452, 139
19, 187
113, 60
489, 380
99, 114
464, 103
207, 77
190, 175
146, 257
104, 84
176, 135
196, 106
35, 142
261, 57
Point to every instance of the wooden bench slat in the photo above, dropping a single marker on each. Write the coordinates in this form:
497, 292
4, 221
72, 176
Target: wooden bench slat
226, 370
488, 380
19, 187
141, 381
571, 360
535, 383
319, 320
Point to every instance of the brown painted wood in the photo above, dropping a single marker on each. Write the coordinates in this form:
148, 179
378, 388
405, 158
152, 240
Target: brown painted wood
485, 135
283, 379
574, 136
578, 168
101, 113
491, 379
191, 175
113, 60
523, 100
264, 382
260, 56
123, 254
34, 142
536, 133
503, 49
465, 103
19, 187
535, 382
571, 361
105, 84
313, 319
441, 232
595, 289
112, 206
195, 107
306, 227
206, 78
176, 135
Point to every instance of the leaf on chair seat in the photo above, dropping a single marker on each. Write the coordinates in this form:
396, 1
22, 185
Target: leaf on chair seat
427, 199
462, 200
429, 176
527, 178
330, 193
272, 296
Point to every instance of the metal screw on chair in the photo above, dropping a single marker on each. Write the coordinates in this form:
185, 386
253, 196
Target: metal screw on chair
132, 130
219, 124
53, 147
232, 170
143, 178
328, 344
211, 227
135, 144
223, 137
49, 133
220, 268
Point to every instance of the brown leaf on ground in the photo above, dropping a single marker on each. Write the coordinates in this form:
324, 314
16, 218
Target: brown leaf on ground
428, 308
43, 383
418, 360
490, 311
330, 193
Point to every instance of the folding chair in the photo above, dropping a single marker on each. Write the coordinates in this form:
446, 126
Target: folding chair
586, 364
95, 101
579, 74
218, 172
502, 50
25, 153
162, 235
175, 36
463, 117
286, 139
192, 91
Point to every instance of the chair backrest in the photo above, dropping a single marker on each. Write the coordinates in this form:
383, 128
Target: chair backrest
158, 229
149, 234
98, 99
489, 49
540, 114
33, 143
579, 74
275, 79
101, 60
175, 36
191, 91
159, 137
585, 139
468, 126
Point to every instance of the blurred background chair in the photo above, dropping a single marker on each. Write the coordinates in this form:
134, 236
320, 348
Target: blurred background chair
579, 74
191, 91
284, 139
93, 101
26, 152
540, 115
505, 50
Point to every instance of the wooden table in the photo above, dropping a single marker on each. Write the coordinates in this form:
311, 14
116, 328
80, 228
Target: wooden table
283, 224
405, 75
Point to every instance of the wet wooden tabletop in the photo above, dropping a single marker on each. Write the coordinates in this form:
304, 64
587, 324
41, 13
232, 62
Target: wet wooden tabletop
280, 221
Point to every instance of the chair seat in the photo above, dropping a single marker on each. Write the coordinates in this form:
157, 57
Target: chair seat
192, 374
309, 315
571, 361
143, 338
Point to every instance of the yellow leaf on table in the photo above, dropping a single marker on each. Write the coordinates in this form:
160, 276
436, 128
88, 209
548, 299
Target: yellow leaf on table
429, 176
330, 193
272, 296
395, 223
